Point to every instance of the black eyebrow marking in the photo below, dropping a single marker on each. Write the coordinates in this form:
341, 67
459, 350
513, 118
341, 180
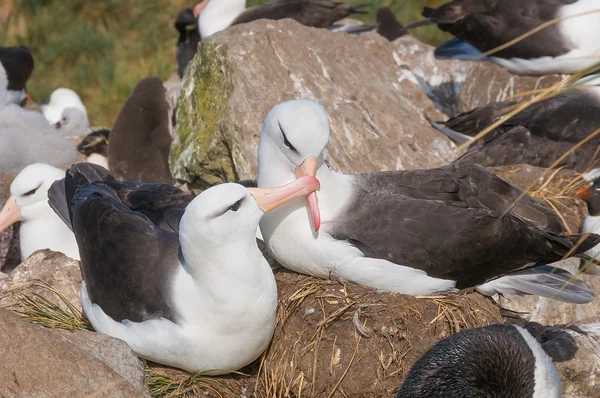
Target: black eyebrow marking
285, 140
28, 193
219, 213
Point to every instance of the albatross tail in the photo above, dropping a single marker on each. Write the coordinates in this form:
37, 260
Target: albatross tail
545, 281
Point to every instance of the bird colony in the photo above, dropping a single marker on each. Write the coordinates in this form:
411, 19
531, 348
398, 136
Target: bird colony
188, 281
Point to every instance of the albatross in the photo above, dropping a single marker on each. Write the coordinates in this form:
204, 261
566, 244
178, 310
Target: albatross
413, 232
203, 298
218, 15
538, 135
567, 46
28, 203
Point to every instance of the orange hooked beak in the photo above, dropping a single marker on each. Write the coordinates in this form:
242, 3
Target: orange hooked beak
271, 198
309, 168
9, 214
199, 7
584, 193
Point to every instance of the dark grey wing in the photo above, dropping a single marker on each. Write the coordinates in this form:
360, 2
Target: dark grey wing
490, 24
163, 204
315, 13
538, 135
447, 239
468, 184
127, 262
18, 64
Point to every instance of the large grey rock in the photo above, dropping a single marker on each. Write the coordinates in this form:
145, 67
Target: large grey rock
54, 268
376, 109
41, 362
458, 86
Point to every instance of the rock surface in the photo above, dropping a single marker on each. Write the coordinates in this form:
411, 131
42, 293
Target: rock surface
41, 362
54, 268
376, 111
457, 86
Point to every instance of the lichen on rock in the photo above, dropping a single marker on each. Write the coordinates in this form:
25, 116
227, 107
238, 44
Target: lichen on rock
199, 156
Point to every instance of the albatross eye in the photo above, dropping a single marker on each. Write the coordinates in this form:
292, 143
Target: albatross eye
236, 205
285, 140
29, 193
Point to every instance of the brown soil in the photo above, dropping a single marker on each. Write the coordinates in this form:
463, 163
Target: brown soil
345, 340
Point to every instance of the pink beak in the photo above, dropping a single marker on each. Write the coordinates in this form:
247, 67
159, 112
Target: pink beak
271, 198
199, 7
9, 214
309, 168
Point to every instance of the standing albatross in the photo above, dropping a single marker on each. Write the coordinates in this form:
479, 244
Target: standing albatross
567, 46
413, 232
218, 15
202, 299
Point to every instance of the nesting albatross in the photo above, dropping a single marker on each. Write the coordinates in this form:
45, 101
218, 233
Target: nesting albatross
538, 135
218, 15
413, 232
202, 299
28, 203
568, 46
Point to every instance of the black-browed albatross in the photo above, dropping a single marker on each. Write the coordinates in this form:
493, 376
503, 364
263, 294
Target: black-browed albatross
203, 299
538, 135
413, 232
189, 37
568, 46
218, 15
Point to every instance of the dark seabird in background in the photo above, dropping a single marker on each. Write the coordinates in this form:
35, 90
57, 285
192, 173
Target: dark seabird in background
140, 140
202, 298
387, 24
18, 64
413, 232
218, 15
494, 361
538, 135
568, 46
189, 37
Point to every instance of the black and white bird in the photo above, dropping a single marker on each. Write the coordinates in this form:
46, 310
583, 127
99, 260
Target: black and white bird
218, 15
61, 100
40, 226
18, 64
94, 147
189, 37
567, 46
538, 135
591, 195
197, 295
493, 361
413, 232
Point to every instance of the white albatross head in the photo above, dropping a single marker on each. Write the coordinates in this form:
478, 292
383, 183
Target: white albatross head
228, 214
29, 194
217, 15
293, 138
60, 99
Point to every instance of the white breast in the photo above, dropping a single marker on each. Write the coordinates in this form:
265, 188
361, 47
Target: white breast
592, 225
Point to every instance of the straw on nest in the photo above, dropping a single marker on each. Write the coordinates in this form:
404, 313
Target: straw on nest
331, 339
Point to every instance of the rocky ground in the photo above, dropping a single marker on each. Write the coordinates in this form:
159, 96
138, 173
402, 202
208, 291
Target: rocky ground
331, 340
